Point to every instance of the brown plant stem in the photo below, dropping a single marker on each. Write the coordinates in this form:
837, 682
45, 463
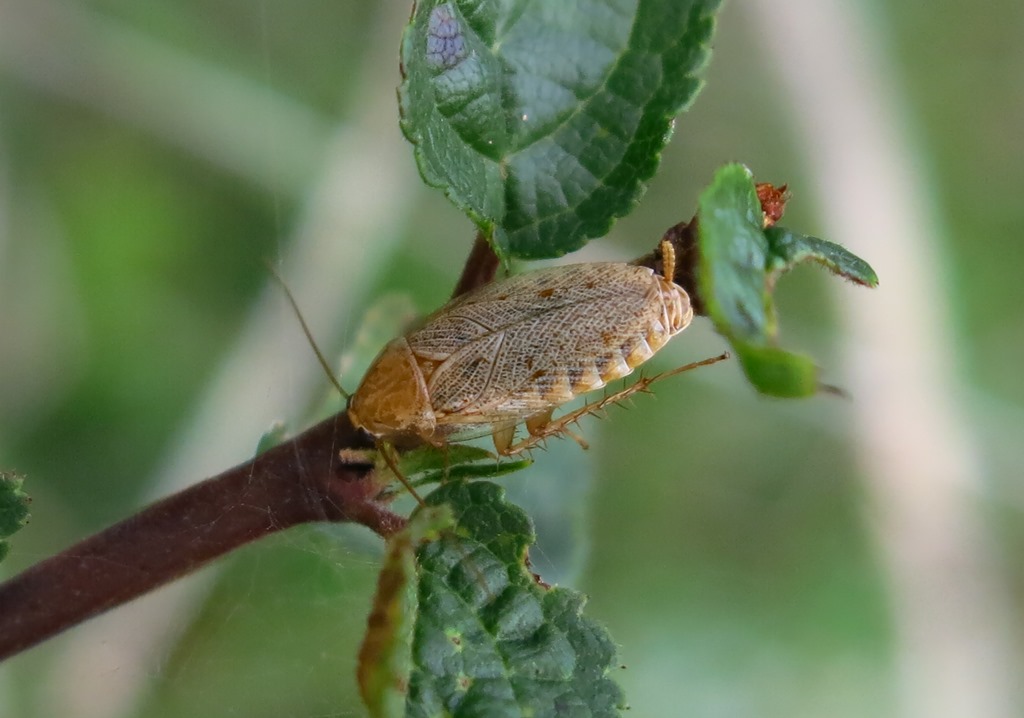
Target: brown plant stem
480, 268
298, 481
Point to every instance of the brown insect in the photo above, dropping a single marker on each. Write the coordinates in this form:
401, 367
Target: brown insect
514, 350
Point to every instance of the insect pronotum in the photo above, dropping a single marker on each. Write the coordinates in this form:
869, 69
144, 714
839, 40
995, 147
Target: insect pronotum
514, 350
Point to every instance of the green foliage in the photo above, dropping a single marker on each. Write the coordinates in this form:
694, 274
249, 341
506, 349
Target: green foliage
467, 629
542, 156
13, 508
759, 562
385, 659
430, 465
739, 263
544, 121
787, 248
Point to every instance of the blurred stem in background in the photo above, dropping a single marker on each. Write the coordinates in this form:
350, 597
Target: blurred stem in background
919, 459
353, 215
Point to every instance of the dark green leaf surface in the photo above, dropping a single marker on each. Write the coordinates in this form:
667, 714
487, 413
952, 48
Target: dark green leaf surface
13, 508
543, 121
739, 263
489, 640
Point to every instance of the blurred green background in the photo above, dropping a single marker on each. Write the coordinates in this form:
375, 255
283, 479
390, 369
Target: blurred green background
741, 551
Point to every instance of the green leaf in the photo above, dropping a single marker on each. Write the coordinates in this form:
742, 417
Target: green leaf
733, 255
544, 121
277, 433
428, 464
13, 508
787, 248
431, 465
385, 657
778, 372
488, 638
739, 264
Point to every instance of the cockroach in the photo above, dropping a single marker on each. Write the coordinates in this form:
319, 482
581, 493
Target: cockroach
514, 350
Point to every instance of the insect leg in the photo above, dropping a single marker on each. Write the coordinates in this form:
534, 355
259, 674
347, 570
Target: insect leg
538, 427
539, 423
561, 424
503, 438
536, 423
390, 456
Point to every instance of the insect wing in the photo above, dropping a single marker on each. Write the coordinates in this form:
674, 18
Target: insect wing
525, 344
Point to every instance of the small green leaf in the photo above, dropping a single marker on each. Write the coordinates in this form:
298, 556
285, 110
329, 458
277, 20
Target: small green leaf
427, 465
276, 434
427, 458
733, 254
739, 264
385, 655
787, 248
13, 508
431, 465
776, 371
489, 639
544, 121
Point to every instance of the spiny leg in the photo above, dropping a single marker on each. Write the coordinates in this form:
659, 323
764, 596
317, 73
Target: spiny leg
505, 436
540, 432
538, 423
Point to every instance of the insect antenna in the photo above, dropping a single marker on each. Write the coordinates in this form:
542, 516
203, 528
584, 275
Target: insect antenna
309, 334
385, 449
